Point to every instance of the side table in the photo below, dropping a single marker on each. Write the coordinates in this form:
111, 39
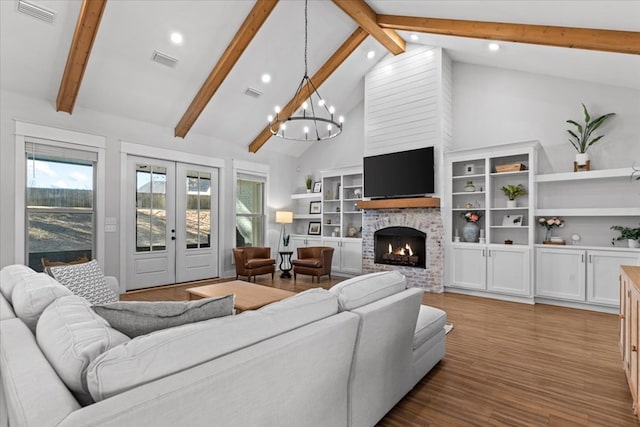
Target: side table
285, 264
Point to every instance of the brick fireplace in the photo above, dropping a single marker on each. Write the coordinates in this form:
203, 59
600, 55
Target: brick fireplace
425, 220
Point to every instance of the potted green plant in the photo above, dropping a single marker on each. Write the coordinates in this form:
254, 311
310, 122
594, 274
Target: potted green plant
513, 192
309, 182
631, 234
582, 139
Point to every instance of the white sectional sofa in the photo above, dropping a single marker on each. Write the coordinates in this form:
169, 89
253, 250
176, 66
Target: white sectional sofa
320, 358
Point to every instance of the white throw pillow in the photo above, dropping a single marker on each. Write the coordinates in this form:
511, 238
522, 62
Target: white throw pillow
368, 288
85, 280
72, 335
33, 294
10, 276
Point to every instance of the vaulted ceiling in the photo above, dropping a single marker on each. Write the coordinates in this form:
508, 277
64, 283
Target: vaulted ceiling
204, 93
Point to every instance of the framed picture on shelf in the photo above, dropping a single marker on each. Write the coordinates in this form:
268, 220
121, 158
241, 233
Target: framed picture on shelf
469, 169
512, 220
314, 228
317, 187
315, 207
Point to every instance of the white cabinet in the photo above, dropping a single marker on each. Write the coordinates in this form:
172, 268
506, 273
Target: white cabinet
493, 268
581, 275
347, 255
508, 270
297, 241
469, 267
341, 190
560, 274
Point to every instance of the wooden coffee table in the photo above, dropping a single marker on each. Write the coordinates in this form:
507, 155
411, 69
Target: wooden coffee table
248, 295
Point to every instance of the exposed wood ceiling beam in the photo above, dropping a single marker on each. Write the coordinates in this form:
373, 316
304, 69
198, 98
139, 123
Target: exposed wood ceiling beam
579, 38
367, 19
332, 64
86, 30
249, 28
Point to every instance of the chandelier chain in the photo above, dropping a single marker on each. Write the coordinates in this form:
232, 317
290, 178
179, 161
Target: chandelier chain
306, 36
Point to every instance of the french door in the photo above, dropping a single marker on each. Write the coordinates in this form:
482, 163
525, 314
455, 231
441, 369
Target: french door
172, 224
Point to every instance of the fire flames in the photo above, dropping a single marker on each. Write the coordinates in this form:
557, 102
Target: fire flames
401, 251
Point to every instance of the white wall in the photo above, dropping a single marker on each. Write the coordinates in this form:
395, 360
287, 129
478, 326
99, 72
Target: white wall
496, 106
344, 150
14, 106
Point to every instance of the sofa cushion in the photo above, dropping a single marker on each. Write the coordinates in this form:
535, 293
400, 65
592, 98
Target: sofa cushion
85, 280
71, 336
259, 262
33, 295
134, 318
10, 276
6, 311
431, 320
165, 352
308, 262
368, 288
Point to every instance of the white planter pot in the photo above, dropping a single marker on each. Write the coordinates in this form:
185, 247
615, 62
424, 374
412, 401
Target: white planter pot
633, 243
512, 204
581, 158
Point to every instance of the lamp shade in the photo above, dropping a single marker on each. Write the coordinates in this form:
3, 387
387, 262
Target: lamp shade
284, 217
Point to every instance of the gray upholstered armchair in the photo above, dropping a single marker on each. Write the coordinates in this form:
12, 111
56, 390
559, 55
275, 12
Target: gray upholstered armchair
253, 261
314, 261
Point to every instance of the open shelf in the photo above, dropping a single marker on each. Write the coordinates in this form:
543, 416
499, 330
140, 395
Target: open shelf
306, 196
597, 174
588, 212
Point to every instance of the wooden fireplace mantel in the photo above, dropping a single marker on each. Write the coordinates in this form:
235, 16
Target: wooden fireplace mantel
416, 202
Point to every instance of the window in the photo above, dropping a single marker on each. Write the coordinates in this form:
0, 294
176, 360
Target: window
60, 204
250, 210
198, 215
151, 208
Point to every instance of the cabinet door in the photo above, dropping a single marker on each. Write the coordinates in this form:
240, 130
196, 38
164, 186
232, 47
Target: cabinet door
634, 371
352, 256
508, 270
624, 320
603, 270
336, 264
468, 267
296, 242
560, 273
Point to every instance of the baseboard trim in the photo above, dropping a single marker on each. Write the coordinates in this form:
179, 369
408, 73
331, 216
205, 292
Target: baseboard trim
502, 297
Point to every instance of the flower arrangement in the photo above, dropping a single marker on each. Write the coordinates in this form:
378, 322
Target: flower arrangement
551, 222
472, 216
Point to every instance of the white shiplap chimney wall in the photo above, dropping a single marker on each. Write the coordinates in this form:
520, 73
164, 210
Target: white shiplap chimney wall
408, 104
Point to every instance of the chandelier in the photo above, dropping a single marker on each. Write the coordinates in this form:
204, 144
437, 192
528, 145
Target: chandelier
314, 121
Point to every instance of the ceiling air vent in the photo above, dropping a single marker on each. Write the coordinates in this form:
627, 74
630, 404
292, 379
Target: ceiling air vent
164, 59
252, 92
36, 11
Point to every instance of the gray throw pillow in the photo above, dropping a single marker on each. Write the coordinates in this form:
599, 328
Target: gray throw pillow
135, 318
85, 280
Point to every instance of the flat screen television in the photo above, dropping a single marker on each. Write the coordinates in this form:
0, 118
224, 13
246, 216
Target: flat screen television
403, 174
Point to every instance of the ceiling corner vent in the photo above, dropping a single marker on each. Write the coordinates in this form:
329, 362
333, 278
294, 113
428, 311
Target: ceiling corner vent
252, 92
164, 59
36, 11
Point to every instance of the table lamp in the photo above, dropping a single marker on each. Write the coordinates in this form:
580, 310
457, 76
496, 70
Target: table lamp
283, 217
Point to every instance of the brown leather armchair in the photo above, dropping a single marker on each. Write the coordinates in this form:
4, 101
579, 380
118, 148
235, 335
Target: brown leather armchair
314, 261
253, 261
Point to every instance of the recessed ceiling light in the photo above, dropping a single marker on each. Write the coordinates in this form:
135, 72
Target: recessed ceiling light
414, 37
266, 78
371, 54
494, 46
176, 38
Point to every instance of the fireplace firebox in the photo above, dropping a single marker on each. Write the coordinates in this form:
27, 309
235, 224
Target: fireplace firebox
400, 246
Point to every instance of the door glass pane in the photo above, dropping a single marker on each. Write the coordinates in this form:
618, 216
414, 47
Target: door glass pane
198, 218
250, 214
151, 213
59, 215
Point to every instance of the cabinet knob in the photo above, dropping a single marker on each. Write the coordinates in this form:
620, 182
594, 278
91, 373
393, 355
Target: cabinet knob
634, 348
622, 316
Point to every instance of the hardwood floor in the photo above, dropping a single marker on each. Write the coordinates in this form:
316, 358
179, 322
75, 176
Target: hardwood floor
507, 364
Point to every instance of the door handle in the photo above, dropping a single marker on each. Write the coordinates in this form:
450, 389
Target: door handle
590, 261
173, 237
582, 258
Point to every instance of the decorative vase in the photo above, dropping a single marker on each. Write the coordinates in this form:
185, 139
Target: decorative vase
308, 190
512, 204
470, 232
581, 158
634, 243
547, 236
469, 187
